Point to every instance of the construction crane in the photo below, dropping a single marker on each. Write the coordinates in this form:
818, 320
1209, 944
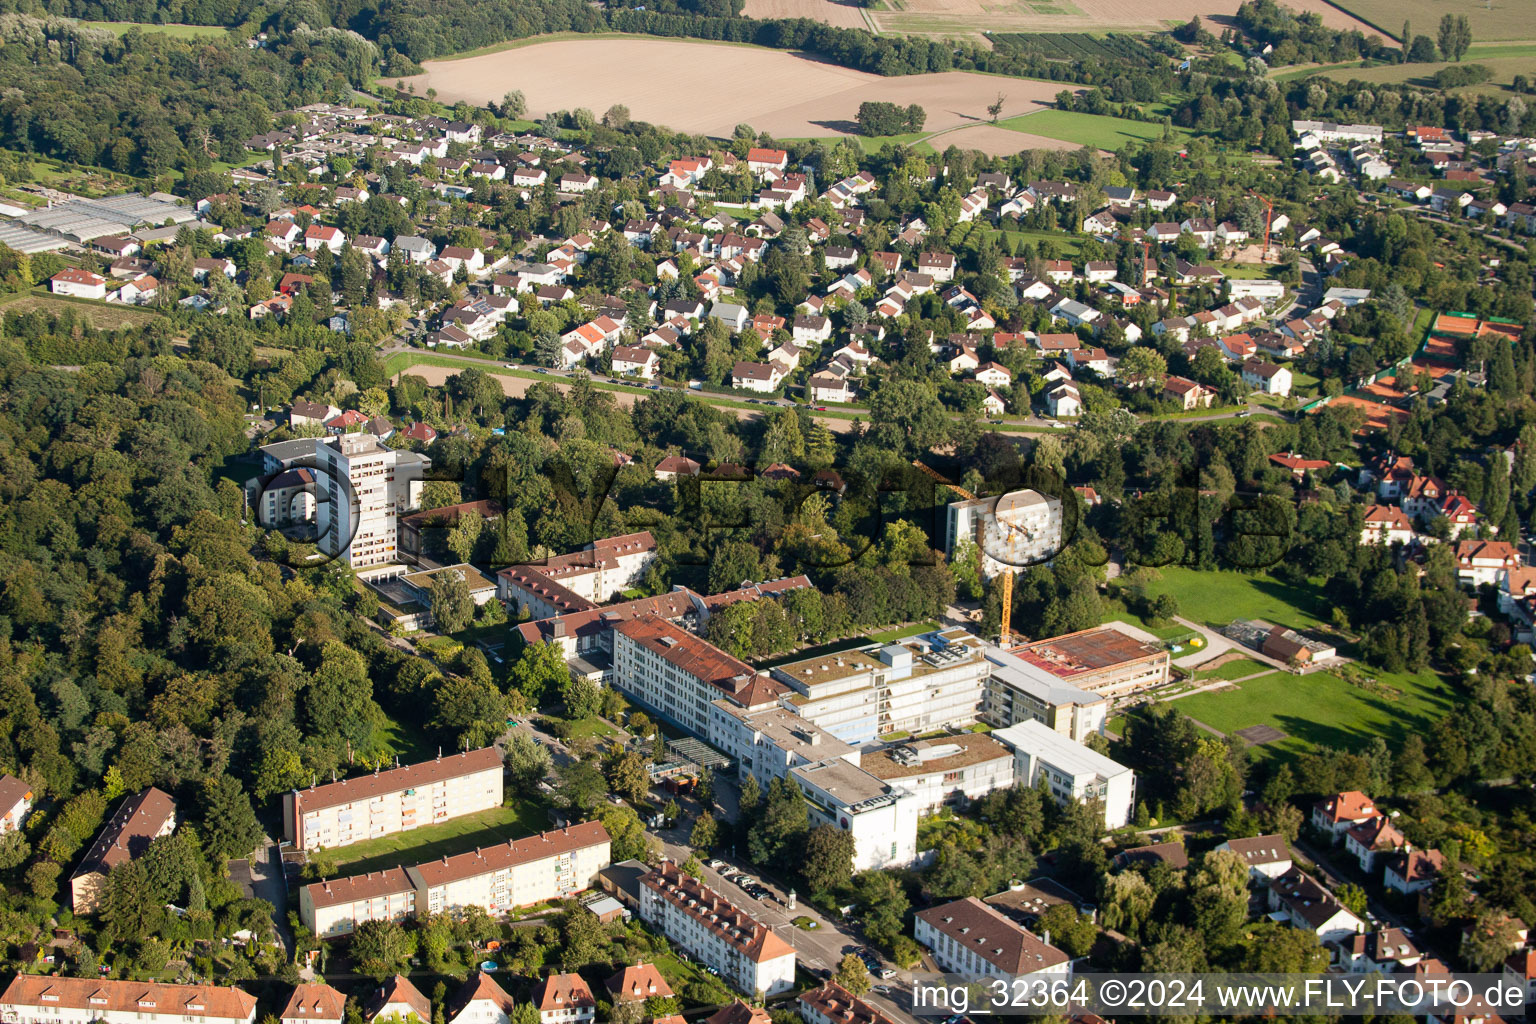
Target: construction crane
1002, 640
1269, 218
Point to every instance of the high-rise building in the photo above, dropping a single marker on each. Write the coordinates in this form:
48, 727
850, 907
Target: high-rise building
1013, 530
363, 488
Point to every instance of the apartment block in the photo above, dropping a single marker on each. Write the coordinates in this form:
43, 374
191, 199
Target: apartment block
393, 800
1013, 530
362, 490
944, 772
595, 574
749, 955
497, 879
971, 939
138, 821
881, 817
45, 999
1073, 772
670, 671
339, 906
554, 865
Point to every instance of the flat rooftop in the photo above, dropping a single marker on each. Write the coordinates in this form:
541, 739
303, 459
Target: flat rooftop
845, 782
1061, 752
476, 579
939, 755
789, 731
828, 668
1091, 650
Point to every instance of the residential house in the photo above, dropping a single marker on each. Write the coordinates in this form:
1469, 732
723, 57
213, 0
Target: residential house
1268, 857
15, 803
1269, 378
828, 387
563, 999
319, 236
1189, 394
138, 821
36, 998
480, 1001
397, 998
1303, 902
760, 377
1372, 840
674, 466
1413, 871
994, 375
314, 1003
631, 361
1341, 812
1064, 401
1481, 562
82, 284
1386, 524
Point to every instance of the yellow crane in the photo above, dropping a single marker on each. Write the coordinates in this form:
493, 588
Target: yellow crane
1002, 640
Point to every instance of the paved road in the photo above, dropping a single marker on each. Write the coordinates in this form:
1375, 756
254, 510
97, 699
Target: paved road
1031, 424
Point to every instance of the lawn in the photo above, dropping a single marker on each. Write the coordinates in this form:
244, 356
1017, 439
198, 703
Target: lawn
892, 635
1216, 598
1321, 709
592, 727
1089, 129
1172, 631
1231, 670
406, 741
524, 817
178, 31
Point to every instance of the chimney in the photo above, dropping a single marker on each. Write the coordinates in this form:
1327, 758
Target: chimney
557, 627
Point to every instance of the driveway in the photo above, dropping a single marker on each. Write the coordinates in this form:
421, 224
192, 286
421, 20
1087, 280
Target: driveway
268, 883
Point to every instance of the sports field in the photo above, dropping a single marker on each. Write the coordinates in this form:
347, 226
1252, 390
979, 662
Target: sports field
719, 86
1322, 709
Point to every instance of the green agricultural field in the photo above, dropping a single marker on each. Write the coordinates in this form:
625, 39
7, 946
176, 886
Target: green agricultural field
1321, 709
1503, 61
179, 31
524, 817
1494, 19
1088, 129
1216, 598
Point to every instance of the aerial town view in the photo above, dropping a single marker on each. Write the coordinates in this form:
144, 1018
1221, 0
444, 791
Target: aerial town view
767, 511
